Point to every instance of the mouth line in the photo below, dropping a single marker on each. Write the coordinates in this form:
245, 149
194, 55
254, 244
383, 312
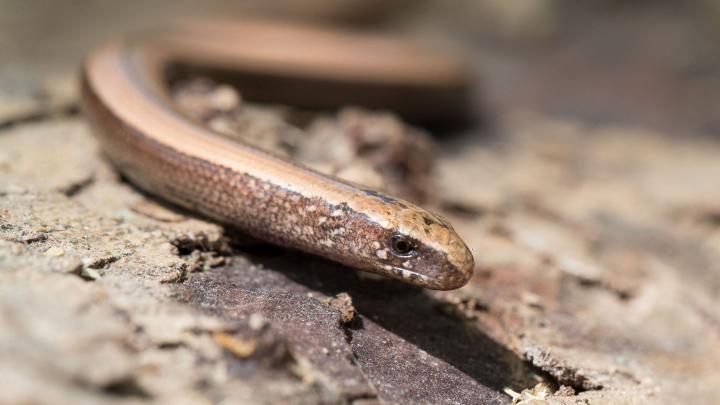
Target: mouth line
406, 274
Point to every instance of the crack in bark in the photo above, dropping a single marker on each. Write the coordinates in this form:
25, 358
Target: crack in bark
186, 244
126, 388
619, 293
38, 238
559, 372
103, 262
76, 188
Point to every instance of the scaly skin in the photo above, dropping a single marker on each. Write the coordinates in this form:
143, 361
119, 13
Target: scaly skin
165, 154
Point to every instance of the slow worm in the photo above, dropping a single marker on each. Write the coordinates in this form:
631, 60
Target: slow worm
125, 96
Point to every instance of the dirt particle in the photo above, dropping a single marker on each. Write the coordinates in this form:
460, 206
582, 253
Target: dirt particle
241, 348
343, 303
257, 321
535, 395
89, 273
564, 391
54, 252
189, 242
179, 275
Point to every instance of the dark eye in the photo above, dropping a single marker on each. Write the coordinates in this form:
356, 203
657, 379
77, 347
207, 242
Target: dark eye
401, 246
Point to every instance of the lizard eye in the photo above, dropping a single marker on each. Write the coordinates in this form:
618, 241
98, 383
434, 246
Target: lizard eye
401, 246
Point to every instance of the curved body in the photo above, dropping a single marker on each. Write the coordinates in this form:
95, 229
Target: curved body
125, 97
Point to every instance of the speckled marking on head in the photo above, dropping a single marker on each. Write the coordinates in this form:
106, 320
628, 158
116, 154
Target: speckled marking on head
432, 232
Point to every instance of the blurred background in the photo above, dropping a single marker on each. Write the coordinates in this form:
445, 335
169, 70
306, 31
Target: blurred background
651, 63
